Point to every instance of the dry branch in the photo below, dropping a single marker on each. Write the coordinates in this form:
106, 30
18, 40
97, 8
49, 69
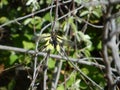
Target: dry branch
58, 57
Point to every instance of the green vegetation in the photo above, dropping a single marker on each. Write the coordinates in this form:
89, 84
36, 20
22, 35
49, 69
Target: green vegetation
72, 32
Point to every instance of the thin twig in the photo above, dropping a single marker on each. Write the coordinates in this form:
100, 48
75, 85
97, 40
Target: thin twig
116, 15
51, 13
105, 48
56, 17
68, 77
90, 24
56, 74
29, 15
45, 71
91, 3
58, 64
38, 70
41, 31
58, 57
76, 68
36, 55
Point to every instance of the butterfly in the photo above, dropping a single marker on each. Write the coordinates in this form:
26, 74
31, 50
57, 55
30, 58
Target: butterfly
54, 41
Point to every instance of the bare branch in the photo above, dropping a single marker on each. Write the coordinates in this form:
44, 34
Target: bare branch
58, 64
115, 15
56, 74
58, 57
91, 3
77, 69
113, 45
109, 41
41, 31
45, 71
101, 2
29, 15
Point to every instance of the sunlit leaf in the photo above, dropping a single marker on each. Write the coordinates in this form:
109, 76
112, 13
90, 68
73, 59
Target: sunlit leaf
85, 38
29, 2
99, 46
27, 21
3, 19
70, 19
84, 13
28, 45
96, 14
61, 87
51, 63
47, 17
76, 85
13, 58
3, 2
64, 25
85, 71
29, 36
71, 22
33, 3
71, 80
78, 37
49, 1
118, 6
74, 27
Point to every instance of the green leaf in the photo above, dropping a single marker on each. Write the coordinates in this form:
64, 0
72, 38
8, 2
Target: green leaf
3, 2
70, 19
78, 19
28, 45
48, 1
76, 85
33, 3
36, 20
29, 2
27, 21
87, 53
74, 27
3, 88
29, 36
60, 87
78, 37
85, 38
3, 19
96, 14
51, 63
71, 22
84, 13
47, 17
85, 71
99, 46
11, 84
118, 6
65, 25
83, 86
13, 58
71, 80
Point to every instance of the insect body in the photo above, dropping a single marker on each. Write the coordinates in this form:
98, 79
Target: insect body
54, 41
